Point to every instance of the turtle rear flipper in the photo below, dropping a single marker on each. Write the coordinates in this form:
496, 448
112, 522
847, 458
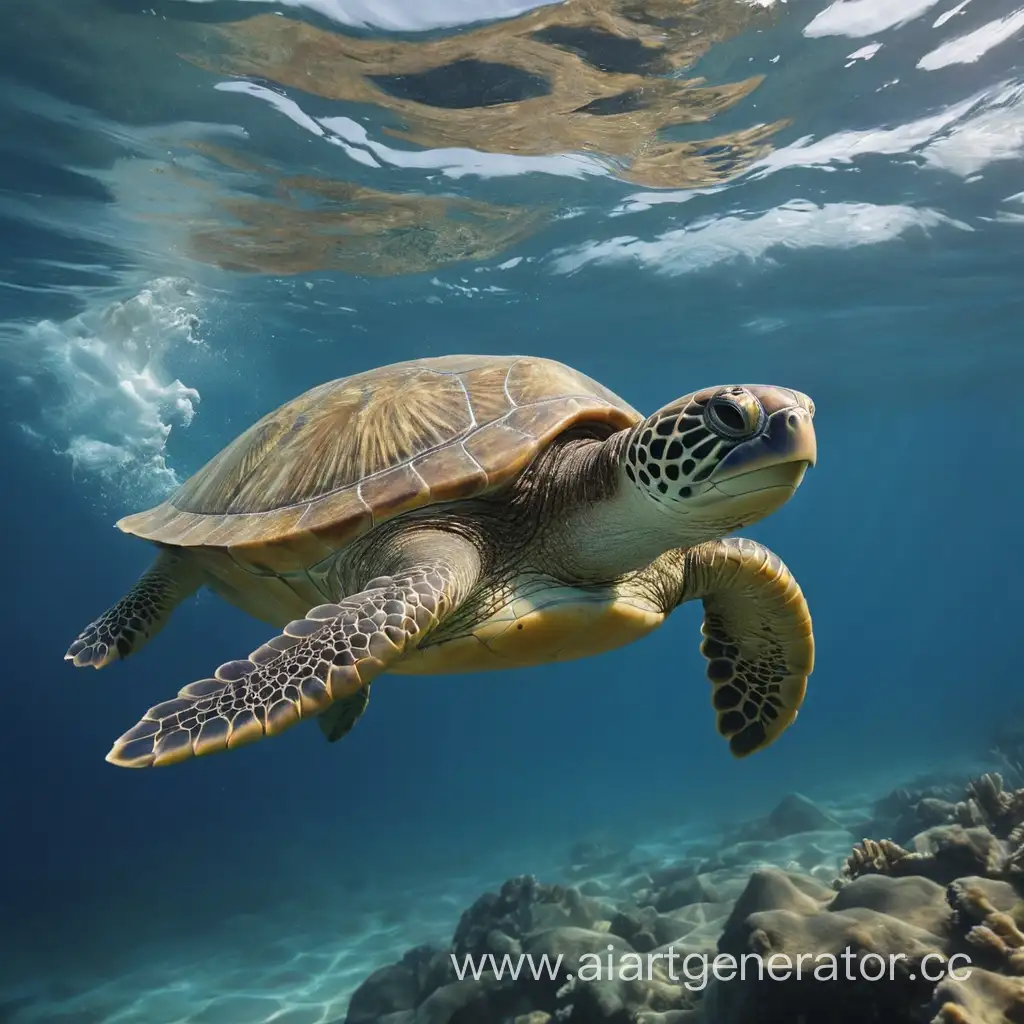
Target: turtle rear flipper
131, 623
337, 721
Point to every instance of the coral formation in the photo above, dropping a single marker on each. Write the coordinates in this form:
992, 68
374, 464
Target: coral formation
931, 932
984, 836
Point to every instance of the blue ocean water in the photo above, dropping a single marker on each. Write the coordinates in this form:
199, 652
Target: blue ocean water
208, 207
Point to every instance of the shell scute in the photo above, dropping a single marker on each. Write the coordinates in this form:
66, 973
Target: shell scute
497, 448
452, 473
324, 468
394, 492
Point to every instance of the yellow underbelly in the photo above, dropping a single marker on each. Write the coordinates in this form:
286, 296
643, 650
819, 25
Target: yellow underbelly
553, 626
550, 625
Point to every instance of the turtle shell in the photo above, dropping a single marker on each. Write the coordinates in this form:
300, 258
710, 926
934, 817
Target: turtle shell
328, 466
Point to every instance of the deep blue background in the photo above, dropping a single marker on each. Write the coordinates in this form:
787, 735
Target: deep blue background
905, 539
902, 537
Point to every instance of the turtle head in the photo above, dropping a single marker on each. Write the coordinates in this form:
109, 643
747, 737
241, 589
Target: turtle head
722, 458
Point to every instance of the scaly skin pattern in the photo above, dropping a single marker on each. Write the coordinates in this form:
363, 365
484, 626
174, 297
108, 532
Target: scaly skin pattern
758, 638
331, 655
131, 623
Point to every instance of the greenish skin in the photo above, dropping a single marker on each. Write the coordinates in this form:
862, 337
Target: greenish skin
584, 551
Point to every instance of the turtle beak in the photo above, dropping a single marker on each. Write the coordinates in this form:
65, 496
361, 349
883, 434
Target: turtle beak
779, 454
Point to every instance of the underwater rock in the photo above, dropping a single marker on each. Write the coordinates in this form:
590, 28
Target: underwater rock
399, 987
984, 998
692, 918
522, 906
988, 841
898, 915
470, 1002
795, 813
988, 916
805, 942
855, 946
696, 889
918, 902
632, 921
692, 941
738, 854
902, 813
618, 996
769, 889
569, 945
792, 815
811, 852
646, 930
386, 991
827, 946
941, 854
931, 811
662, 877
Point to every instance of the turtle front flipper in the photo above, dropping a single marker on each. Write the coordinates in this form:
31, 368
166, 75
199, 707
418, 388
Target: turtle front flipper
342, 715
131, 623
320, 663
758, 639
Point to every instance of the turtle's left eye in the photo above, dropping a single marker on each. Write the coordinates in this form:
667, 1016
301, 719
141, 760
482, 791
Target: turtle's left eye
734, 413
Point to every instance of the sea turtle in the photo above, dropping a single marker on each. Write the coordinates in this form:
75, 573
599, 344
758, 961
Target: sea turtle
466, 513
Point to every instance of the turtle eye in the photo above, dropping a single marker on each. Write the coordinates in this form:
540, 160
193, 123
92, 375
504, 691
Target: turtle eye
734, 413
